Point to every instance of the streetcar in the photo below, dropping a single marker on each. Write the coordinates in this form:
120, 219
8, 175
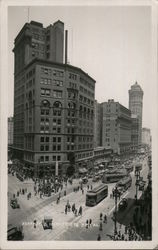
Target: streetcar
113, 177
94, 196
124, 183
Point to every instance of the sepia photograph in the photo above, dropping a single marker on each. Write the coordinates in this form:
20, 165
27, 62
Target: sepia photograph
78, 125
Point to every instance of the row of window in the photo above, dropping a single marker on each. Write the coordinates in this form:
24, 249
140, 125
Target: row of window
84, 155
84, 90
86, 83
48, 71
47, 158
47, 92
85, 131
47, 147
38, 36
86, 100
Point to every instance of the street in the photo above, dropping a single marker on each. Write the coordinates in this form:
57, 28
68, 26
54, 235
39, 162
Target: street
66, 226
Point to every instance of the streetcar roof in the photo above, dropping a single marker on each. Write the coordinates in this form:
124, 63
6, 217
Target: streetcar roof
96, 189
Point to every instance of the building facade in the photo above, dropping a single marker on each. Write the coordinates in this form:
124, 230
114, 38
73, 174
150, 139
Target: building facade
146, 136
97, 124
116, 128
53, 103
10, 130
136, 106
102, 155
134, 133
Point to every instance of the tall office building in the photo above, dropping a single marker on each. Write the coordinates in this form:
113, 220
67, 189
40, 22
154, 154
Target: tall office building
136, 105
97, 124
10, 130
116, 127
53, 102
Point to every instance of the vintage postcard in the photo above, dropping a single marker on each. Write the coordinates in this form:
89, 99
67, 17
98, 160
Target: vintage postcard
78, 124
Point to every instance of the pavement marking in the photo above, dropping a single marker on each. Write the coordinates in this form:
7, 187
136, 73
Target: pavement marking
118, 202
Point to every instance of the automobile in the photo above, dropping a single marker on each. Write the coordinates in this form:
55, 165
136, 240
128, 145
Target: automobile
14, 203
47, 222
123, 204
15, 233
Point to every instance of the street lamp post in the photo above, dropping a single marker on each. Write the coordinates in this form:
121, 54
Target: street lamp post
137, 175
116, 193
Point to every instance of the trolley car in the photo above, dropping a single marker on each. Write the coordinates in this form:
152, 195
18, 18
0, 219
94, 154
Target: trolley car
93, 197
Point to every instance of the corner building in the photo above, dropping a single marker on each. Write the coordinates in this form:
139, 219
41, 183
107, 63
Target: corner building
116, 127
53, 105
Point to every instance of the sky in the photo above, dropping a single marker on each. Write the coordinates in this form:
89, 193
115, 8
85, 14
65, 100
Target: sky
110, 43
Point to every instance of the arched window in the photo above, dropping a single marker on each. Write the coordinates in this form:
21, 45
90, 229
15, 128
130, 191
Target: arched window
45, 103
57, 108
57, 105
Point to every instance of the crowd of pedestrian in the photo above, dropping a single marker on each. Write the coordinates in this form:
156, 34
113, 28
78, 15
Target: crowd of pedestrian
72, 208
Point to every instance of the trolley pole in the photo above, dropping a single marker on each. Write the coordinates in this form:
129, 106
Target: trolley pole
115, 217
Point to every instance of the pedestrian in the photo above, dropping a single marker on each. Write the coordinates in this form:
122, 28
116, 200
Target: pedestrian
69, 207
91, 187
73, 208
101, 215
80, 211
35, 223
88, 187
90, 222
86, 223
64, 192
66, 209
105, 218
101, 226
99, 237
17, 193
76, 212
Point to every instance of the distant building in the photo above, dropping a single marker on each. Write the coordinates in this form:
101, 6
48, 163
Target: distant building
134, 133
10, 130
136, 106
116, 127
53, 103
97, 124
146, 136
